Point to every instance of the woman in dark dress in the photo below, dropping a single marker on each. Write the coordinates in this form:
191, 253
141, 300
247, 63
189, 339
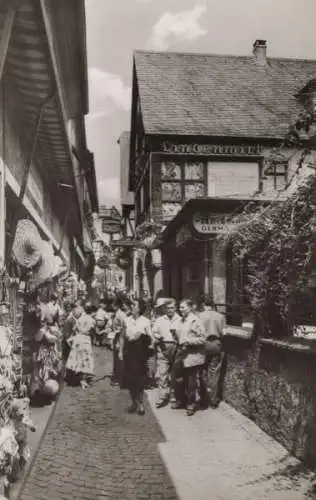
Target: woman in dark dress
136, 340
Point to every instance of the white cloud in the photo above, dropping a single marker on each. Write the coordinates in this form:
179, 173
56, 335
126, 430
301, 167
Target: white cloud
109, 191
182, 26
107, 93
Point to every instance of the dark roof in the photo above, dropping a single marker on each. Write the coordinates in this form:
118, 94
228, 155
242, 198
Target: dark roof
219, 95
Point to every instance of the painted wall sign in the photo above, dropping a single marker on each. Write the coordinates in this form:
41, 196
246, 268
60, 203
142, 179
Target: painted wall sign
205, 223
182, 236
213, 149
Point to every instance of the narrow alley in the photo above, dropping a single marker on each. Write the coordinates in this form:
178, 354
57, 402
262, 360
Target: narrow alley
94, 450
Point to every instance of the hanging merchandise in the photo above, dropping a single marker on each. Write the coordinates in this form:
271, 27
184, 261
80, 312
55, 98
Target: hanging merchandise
71, 288
45, 270
27, 245
12, 444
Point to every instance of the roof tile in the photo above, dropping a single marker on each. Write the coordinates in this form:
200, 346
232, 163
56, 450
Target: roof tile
216, 95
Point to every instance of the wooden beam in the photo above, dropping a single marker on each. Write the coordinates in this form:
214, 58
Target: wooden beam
49, 35
5, 37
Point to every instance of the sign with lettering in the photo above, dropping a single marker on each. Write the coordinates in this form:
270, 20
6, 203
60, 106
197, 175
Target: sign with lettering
206, 223
110, 227
182, 236
213, 149
110, 214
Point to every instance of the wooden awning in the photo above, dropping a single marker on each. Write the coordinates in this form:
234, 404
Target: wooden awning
30, 69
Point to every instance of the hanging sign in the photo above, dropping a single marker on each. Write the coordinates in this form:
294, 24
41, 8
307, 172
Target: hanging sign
205, 223
111, 227
110, 214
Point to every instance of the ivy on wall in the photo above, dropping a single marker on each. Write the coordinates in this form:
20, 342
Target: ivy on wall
277, 245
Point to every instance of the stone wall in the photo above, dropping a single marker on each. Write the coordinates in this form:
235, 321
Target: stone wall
273, 383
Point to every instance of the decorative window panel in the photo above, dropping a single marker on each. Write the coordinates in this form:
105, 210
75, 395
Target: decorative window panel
194, 171
170, 170
171, 191
170, 210
194, 190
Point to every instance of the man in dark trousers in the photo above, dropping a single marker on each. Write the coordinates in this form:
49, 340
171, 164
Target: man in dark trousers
211, 374
121, 309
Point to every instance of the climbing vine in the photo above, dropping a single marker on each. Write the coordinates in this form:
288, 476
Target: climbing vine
276, 245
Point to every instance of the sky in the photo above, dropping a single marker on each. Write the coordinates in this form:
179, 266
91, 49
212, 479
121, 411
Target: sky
115, 28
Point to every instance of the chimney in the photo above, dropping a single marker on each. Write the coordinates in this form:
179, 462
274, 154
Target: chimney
260, 51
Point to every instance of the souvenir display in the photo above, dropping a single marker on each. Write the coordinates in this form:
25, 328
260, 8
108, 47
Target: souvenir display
13, 409
27, 245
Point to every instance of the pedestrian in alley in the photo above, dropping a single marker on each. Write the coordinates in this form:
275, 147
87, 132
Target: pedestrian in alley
80, 363
68, 328
121, 307
151, 313
135, 343
190, 357
165, 338
210, 375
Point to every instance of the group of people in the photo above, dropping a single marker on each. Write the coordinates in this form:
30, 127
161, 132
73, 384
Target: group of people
182, 344
175, 348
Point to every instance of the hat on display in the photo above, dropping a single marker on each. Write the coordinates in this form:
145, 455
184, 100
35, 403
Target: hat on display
27, 245
46, 269
161, 302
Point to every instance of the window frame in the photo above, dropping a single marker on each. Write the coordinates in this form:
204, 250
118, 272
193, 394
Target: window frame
182, 162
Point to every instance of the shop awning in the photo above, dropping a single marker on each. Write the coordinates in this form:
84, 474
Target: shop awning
30, 69
216, 206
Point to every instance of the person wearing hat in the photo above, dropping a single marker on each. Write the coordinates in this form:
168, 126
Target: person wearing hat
165, 337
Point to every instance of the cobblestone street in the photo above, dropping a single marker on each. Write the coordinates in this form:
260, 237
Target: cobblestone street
94, 450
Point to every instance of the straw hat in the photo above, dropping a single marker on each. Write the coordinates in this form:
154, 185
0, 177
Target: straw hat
27, 245
46, 269
161, 302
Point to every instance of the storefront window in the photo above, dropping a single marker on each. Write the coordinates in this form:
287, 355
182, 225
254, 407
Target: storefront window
194, 190
194, 171
170, 171
171, 191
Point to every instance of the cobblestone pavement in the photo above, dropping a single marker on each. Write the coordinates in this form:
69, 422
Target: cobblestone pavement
94, 450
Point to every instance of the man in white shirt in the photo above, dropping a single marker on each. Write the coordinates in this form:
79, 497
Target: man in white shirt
189, 359
164, 332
